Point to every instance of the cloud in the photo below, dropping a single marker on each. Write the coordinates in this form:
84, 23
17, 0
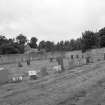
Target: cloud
51, 19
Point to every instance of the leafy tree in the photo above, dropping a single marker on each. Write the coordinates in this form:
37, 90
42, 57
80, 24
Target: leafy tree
102, 32
8, 49
33, 42
66, 45
49, 46
78, 44
102, 37
42, 44
72, 45
3, 40
88, 40
21, 39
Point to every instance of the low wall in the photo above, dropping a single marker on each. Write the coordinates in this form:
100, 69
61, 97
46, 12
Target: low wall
95, 55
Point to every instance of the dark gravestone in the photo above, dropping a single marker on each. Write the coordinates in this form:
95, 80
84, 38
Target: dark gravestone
51, 59
104, 56
72, 57
82, 56
77, 56
28, 62
33, 77
87, 60
20, 64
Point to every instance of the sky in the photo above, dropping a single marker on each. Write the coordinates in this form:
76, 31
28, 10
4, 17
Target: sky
52, 20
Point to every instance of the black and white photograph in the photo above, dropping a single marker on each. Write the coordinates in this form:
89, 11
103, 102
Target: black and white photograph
52, 52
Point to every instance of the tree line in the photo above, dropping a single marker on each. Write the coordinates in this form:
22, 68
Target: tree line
87, 41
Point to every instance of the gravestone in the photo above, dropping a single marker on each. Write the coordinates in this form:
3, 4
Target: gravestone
4, 76
71, 62
60, 62
104, 56
28, 62
43, 71
72, 57
87, 60
77, 56
51, 59
20, 64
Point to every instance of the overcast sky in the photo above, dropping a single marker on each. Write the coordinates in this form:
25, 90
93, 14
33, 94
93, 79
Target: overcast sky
51, 19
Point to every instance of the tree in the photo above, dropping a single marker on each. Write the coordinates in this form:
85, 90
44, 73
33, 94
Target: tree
8, 49
42, 44
33, 42
66, 45
3, 40
21, 39
47, 45
78, 44
72, 45
88, 40
102, 37
102, 32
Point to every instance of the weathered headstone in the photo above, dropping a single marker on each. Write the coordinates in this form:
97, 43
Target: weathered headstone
60, 62
20, 64
32, 74
51, 59
87, 60
82, 56
77, 56
28, 62
72, 57
43, 71
71, 61
104, 56
4, 76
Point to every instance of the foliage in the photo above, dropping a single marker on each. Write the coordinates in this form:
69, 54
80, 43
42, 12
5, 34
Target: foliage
33, 42
21, 39
102, 37
88, 41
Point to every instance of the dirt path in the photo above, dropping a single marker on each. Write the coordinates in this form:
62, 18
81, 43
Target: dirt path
85, 86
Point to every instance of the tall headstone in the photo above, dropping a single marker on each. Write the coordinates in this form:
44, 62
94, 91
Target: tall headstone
71, 62
104, 56
60, 62
28, 62
87, 60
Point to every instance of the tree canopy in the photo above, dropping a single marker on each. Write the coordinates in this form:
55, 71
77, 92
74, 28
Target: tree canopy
88, 41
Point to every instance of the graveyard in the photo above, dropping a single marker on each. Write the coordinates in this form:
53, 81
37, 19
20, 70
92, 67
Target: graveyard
70, 79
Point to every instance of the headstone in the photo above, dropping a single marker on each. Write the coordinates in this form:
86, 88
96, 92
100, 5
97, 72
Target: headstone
28, 62
32, 74
82, 56
51, 59
4, 75
77, 56
60, 62
87, 60
57, 69
17, 79
104, 56
43, 71
72, 57
20, 64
